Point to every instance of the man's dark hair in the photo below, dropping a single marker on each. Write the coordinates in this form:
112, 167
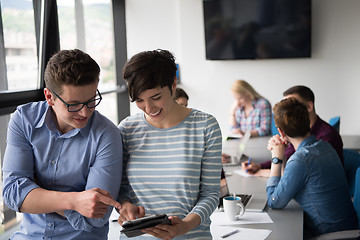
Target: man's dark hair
292, 117
70, 67
148, 70
304, 92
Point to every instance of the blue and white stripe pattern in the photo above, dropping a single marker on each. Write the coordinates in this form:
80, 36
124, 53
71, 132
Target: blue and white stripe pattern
174, 171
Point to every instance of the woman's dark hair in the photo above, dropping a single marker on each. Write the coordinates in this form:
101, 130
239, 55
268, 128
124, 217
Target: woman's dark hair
70, 67
292, 117
179, 92
148, 70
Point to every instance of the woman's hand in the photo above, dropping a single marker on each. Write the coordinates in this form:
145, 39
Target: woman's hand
277, 146
129, 211
233, 108
178, 227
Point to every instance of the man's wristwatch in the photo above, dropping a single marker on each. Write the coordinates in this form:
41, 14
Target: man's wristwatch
275, 160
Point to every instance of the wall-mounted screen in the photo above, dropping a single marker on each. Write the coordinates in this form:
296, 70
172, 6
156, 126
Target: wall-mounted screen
257, 29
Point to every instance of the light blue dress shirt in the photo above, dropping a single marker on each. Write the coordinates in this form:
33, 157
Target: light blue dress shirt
315, 178
38, 155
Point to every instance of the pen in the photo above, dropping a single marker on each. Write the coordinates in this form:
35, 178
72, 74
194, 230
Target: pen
230, 233
248, 163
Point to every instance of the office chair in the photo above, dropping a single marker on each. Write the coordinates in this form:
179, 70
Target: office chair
351, 164
274, 130
349, 234
335, 122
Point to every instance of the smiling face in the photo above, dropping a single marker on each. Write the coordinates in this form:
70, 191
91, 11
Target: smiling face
66, 120
157, 104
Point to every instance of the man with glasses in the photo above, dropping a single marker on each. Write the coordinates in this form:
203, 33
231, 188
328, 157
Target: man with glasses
62, 165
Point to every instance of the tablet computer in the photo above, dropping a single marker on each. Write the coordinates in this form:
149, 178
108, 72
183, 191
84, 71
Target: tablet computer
132, 228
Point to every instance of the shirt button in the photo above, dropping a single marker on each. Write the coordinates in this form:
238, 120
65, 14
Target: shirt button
53, 162
273, 199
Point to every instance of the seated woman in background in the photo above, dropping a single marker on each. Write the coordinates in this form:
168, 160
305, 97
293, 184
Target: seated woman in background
250, 111
313, 175
181, 97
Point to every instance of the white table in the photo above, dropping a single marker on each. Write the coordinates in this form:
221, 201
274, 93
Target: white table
288, 222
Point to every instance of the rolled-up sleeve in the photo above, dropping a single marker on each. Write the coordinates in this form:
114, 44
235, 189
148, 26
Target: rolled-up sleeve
105, 173
18, 165
281, 190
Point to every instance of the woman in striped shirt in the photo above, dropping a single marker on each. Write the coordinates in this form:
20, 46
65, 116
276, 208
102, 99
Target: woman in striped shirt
172, 154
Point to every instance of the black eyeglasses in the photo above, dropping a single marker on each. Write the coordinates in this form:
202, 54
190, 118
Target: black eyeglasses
75, 107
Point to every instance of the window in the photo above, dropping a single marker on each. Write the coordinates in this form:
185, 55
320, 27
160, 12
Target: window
20, 44
87, 25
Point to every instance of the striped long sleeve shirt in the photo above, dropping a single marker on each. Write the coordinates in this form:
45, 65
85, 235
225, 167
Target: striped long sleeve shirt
175, 170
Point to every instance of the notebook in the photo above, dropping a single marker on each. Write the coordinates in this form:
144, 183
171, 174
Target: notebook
239, 155
251, 204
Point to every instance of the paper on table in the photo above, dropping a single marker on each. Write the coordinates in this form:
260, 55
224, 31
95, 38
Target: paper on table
219, 219
242, 173
114, 215
245, 233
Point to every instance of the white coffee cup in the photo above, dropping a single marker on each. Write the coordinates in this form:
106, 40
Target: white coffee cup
233, 207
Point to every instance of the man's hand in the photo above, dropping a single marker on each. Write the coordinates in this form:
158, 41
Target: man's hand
93, 203
128, 211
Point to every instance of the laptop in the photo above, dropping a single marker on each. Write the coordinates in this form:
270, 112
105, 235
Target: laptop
251, 204
239, 155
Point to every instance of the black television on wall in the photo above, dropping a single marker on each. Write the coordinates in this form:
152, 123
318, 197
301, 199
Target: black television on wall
257, 29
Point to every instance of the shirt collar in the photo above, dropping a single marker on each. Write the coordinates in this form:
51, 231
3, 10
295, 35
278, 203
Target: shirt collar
316, 125
307, 141
253, 103
48, 120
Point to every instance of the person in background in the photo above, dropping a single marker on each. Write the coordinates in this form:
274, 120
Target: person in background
172, 153
318, 127
181, 97
250, 111
311, 175
62, 164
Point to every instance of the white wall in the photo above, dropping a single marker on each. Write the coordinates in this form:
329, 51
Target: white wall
332, 72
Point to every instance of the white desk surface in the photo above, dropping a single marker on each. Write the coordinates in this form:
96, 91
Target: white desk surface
288, 222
